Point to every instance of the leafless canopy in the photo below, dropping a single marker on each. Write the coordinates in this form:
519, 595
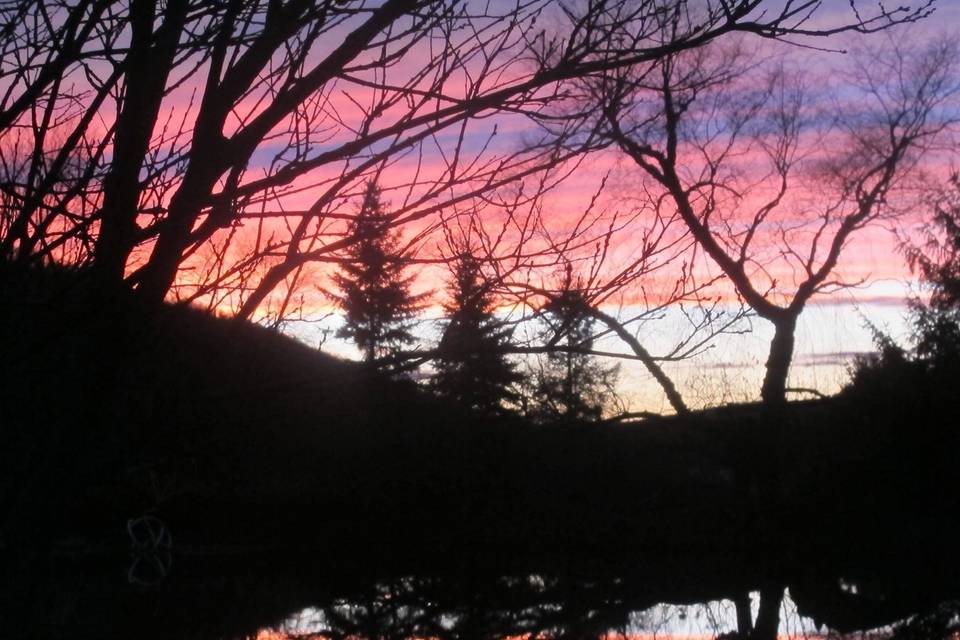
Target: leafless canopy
770, 177
214, 150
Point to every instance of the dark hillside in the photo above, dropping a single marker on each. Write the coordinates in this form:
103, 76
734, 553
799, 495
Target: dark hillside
112, 409
240, 440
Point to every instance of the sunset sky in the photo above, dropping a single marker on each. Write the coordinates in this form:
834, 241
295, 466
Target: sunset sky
414, 182
513, 318
521, 319
833, 328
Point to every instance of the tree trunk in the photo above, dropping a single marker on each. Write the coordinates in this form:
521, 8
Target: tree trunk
273, 277
744, 615
160, 272
768, 617
149, 63
774, 388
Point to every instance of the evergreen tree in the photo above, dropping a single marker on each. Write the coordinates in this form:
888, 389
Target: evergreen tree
571, 384
937, 323
374, 292
472, 367
934, 358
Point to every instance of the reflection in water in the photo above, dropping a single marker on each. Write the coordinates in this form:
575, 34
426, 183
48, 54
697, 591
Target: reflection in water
299, 596
666, 621
530, 608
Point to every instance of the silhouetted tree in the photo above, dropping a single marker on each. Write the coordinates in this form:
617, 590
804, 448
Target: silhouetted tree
686, 123
934, 358
374, 291
937, 323
296, 96
571, 384
472, 365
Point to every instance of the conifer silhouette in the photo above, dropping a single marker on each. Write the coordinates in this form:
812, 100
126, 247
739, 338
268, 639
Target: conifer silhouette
472, 366
374, 292
571, 384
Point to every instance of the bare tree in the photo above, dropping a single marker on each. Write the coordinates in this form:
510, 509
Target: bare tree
770, 186
185, 120
63, 65
621, 287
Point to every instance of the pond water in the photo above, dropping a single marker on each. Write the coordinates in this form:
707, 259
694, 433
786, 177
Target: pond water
320, 594
383, 615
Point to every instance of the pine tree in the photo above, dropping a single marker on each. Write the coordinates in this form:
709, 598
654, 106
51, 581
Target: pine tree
937, 321
374, 292
571, 384
472, 367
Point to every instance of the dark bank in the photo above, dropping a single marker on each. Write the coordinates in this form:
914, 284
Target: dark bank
282, 479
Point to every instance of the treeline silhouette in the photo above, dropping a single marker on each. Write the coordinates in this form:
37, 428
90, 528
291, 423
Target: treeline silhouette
240, 196
239, 440
236, 597
475, 363
124, 419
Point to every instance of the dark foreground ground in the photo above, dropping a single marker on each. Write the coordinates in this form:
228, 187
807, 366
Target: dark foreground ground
275, 478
